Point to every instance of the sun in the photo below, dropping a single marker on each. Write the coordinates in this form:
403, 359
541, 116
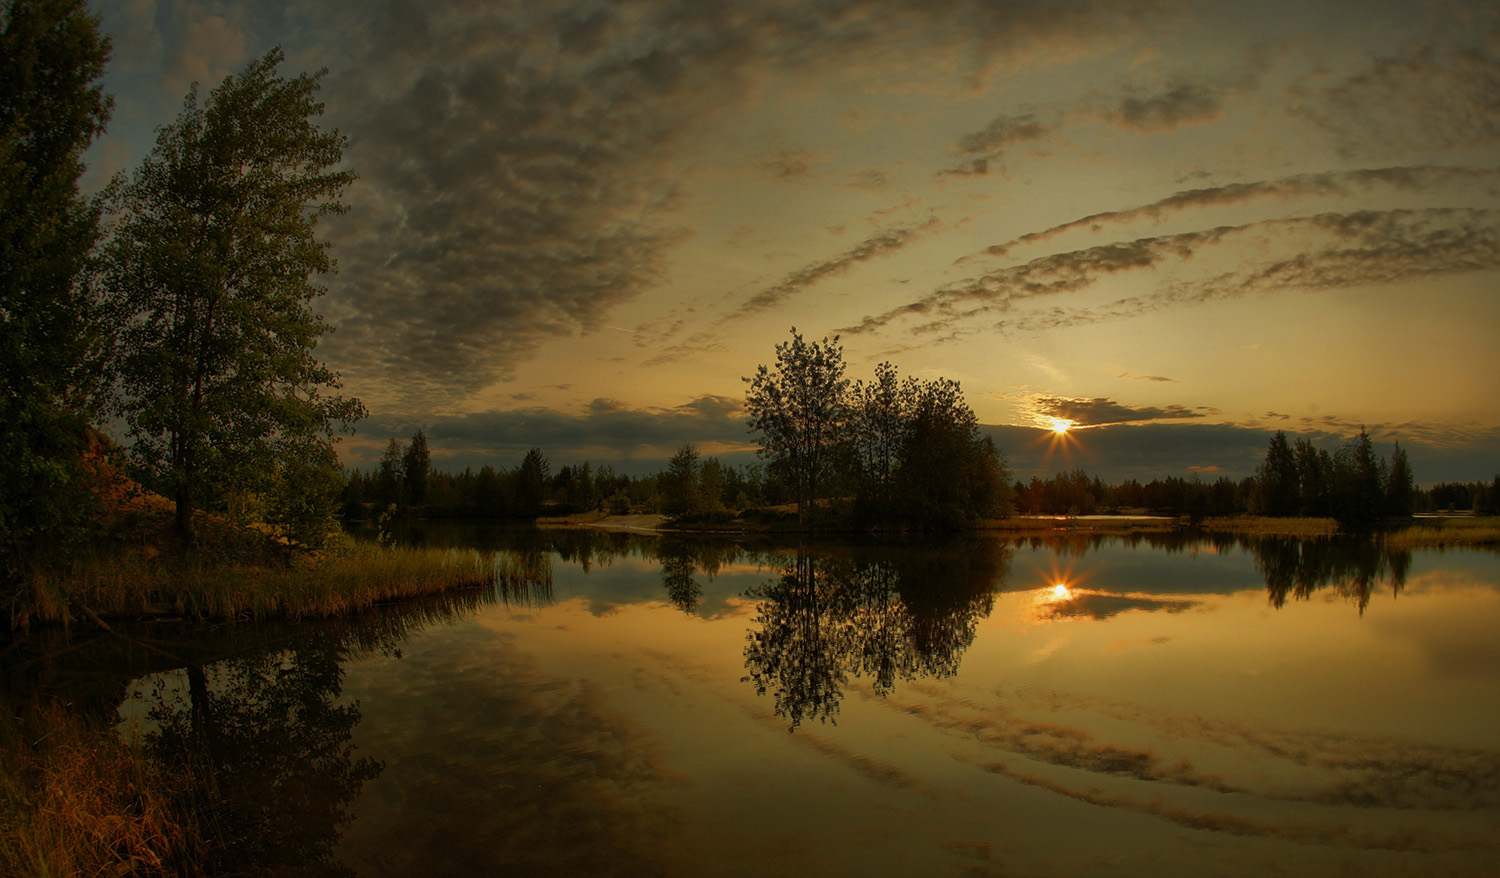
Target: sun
1061, 425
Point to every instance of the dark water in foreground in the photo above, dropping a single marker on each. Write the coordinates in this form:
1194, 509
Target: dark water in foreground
652, 706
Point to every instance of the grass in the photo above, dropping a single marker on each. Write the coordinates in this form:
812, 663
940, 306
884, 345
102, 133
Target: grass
133, 581
1447, 532
1267, 525
77, 800
1046, 524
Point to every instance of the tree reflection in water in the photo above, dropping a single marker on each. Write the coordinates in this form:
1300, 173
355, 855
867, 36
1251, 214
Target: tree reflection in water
886, 619
268, 742
1354, 566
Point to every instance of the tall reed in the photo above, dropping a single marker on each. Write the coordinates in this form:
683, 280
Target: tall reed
77, 800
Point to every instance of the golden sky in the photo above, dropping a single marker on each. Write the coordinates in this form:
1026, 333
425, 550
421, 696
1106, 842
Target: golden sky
578, 224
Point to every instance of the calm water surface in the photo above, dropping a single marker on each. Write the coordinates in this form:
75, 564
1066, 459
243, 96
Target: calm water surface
654, 706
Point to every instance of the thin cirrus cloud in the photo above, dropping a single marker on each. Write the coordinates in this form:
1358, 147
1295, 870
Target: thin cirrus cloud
878, 245
1135, 109
1334, 250
1326, 184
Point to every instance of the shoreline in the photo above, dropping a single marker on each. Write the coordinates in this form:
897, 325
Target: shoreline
1425, 530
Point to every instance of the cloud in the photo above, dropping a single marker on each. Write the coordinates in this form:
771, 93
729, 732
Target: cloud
878, 245
1134, 108
787, 164
517, 163
1185, 103
1435, 97
212, 47
1101, 411
1331, 183
1328, 251
989, 144
606, 430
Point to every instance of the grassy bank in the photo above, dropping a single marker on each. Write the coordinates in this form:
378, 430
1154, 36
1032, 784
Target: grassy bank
77, 800
141, 580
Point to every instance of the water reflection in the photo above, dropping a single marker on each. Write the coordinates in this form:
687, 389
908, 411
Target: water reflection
253, 712
826, 619
270, 748
1354, 567
1061, 602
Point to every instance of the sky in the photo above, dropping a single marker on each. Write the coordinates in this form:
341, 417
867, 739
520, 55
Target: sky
1178, 225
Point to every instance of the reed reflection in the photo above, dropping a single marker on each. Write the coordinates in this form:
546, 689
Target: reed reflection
826, 620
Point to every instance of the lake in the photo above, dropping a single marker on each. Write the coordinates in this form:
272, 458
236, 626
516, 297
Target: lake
644, 705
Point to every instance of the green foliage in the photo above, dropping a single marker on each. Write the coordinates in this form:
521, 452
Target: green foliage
53, 340
303, 500
210, 270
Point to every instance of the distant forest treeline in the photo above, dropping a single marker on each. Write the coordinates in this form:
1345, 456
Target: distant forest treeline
1351, 484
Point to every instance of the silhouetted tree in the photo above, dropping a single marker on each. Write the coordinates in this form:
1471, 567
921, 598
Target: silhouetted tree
416, 462
1400, 489
531, 483
949, 476
1314, 478
679, 484
1278, 478
390, 486
881, 421
800, 411
1359, 495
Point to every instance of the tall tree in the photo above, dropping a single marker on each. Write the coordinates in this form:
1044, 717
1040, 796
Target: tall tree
1400, 489
1314, 478
679, 484
390, 486
1359, 483
212, 267
801, 412
882, 415
51, 340
1278, 478
950, 476
531, 482
415, 465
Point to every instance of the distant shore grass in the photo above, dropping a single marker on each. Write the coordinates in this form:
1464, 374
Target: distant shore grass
139, 581
1269, 526
1437, 532
1105, 525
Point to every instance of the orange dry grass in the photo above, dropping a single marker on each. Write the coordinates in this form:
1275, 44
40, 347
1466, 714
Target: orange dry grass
80, 801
